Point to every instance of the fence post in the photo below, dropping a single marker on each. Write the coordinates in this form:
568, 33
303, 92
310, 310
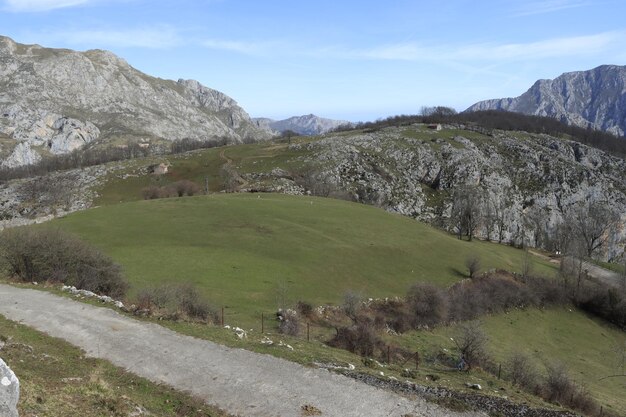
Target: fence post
388, 355
222, 320
262, 324
417, 360
308, 339
499, 370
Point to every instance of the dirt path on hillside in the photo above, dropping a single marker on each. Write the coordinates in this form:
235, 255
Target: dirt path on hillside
238, 381
230, 167
606, 276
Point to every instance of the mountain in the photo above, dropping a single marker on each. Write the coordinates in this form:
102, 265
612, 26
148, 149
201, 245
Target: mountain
594, 98
53, 101
309, 124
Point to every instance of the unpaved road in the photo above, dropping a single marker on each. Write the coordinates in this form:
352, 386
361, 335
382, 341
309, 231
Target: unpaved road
238, 381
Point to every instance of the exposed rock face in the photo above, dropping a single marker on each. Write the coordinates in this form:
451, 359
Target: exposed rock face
595, 98
9, 391
528, 181
53, 101
304, 125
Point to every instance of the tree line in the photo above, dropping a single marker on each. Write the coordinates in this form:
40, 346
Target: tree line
501, 120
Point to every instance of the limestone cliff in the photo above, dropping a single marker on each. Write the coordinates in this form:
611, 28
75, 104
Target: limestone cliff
595, 98
53, 101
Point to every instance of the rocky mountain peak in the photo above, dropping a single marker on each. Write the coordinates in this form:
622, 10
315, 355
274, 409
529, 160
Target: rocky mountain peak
53, 101
308, 124
594, 99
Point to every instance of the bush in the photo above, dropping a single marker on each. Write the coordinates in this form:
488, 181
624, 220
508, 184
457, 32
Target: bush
473, 266
522, 372
151, 192
177, 189
51, 255
428, 304
173, 300
360, 338
305, 309
192, 304
471, 341
351, 304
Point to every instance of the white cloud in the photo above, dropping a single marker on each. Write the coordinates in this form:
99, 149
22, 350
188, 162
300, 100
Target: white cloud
549, 6
41, 5
549, 48
246, 48
155, 38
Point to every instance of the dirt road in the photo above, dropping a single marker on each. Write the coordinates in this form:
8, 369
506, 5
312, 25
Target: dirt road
238, 381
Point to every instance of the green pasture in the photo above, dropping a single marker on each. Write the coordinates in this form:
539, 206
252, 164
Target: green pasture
254, 253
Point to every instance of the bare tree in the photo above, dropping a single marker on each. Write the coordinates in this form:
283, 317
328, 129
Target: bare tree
467, 210
229, 179
527, 264
591, 225
471, 343
535, 221
473, 266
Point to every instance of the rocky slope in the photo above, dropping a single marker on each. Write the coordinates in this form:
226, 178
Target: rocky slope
527, 182
594, 98
304, 125
53, 101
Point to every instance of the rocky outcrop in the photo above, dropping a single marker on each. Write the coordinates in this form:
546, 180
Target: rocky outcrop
9, 391
304, 125
527, 182
53, 101
594, 98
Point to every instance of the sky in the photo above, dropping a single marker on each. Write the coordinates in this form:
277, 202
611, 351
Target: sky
342, 59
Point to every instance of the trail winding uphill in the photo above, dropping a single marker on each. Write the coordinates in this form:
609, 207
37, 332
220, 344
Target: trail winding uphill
236, 380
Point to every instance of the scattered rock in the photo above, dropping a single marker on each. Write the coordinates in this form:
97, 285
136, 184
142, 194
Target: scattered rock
89, 294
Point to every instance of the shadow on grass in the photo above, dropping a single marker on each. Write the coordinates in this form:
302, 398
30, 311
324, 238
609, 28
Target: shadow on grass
458, 273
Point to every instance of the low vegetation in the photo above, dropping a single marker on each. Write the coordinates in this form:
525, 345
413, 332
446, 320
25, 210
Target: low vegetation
52, 255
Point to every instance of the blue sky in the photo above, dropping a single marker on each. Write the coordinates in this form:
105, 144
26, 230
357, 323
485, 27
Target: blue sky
354, 60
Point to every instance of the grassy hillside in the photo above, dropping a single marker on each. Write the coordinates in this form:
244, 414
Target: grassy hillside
254, 252
251, 252
586, 345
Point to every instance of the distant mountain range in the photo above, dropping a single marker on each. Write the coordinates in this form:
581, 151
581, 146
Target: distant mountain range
303, 125
594, 98
53, 101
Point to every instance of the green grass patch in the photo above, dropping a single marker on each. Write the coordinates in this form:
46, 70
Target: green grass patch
585, 345
253, 252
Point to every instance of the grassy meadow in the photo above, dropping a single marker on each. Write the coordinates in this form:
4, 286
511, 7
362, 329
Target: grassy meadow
254, 253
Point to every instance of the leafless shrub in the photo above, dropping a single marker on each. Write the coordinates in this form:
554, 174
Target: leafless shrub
174, 301
473, 266
305, 309
428, 304
471, 342
193, 304
46, 254
185, 187
351, 304
360, 338
176, 189
151, 192
522, 372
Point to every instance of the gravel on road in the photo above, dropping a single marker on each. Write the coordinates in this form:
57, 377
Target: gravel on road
238, 381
